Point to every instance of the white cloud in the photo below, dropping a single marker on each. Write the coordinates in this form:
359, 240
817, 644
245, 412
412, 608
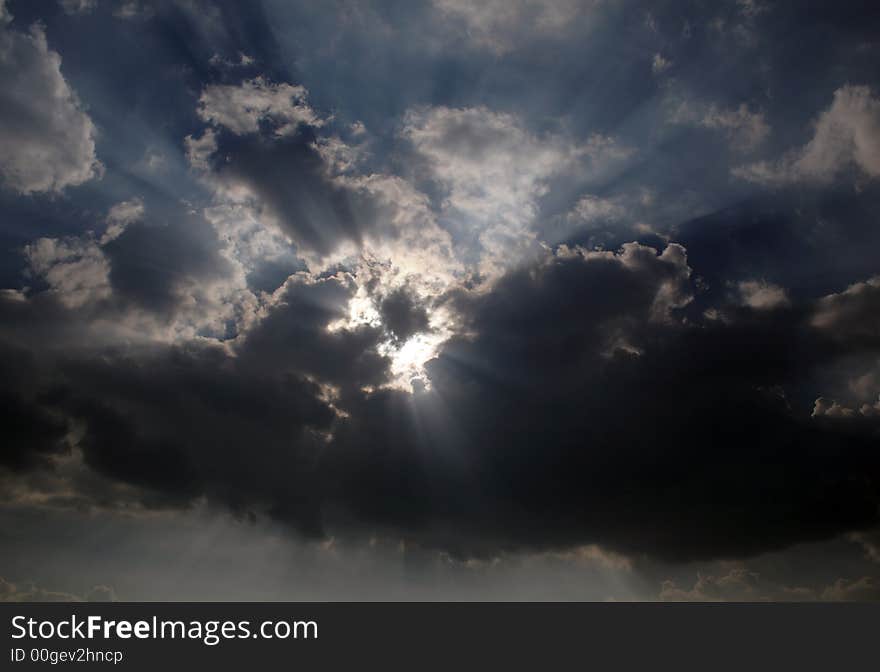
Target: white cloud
339, 156
590, 209
240, 108
829, 408
75, 269
494, 171
745, 129
120, 216
852, 313
845, 135
248, 240
199, 150
762, 295
48, 139
409, 251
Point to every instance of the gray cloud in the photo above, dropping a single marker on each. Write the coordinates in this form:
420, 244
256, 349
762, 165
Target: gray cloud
845, 136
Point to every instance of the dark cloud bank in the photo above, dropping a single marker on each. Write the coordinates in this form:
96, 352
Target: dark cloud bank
579, 410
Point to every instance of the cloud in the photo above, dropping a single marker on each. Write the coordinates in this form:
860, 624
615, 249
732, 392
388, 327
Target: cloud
853, 315
78, 6
122, 215
830, 409
744, 128
165, 279
762, 295
303, 200
48, 138
591, 209
34, 433
402, 315
494, 171
129, 10
543, 375
263, 391
243, 107
261, 154
75, 269
162, 267
544, 390
199, 150
501, 26
845, 136
242, 61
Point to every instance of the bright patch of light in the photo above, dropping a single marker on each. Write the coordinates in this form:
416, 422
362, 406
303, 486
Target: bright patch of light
408, 360
361, 311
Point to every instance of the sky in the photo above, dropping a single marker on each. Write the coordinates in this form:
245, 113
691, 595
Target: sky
439, 299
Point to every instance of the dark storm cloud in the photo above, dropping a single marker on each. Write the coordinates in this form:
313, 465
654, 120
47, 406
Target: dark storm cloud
31, 431
402, 314
288, 176
794, 239
294, 337
180, 422
581, 409
192, 423
151, 264
535, 434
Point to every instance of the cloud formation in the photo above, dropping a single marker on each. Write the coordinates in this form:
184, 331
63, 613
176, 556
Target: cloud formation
845, 136
48, 138
242, 108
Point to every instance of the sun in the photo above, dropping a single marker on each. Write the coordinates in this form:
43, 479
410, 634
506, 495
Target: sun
408, 357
